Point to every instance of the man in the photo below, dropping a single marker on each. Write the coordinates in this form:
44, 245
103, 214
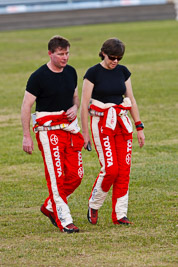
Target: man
54, 88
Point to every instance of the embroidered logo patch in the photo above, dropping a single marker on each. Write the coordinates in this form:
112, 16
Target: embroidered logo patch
80, 172
128, 158
54, 139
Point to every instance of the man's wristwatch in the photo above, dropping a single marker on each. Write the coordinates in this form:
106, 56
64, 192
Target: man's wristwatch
139, 125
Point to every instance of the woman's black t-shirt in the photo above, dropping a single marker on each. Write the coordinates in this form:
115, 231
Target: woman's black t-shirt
53, 91
109, 85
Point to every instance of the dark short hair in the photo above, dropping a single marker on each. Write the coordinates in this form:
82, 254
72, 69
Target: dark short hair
57, 41
112, 47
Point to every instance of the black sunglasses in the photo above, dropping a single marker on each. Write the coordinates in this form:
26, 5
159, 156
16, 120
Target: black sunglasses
114, 58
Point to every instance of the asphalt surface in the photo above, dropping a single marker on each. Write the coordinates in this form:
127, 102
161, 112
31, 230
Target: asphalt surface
86, 16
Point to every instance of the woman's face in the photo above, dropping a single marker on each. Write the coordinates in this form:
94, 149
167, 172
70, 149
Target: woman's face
110, 62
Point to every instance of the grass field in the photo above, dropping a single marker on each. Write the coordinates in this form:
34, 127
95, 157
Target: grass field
27, 237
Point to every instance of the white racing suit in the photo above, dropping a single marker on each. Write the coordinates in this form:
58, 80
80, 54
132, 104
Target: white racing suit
112, 136
60, 144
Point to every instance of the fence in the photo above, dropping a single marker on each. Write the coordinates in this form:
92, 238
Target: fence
22, 6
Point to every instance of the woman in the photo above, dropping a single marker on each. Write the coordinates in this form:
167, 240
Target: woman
104, 86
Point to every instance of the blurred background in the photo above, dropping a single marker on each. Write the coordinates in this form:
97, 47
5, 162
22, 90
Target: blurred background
24, 14
16, 6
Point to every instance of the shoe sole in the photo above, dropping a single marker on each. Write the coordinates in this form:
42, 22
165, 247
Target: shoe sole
88, 217
70, 231
124, 223
51, 219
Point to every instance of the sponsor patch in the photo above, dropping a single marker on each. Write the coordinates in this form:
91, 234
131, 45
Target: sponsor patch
128, 158
80, 172
93, 194
54, 139
57, 159
79, 158
60, 216
129, 149
108, 152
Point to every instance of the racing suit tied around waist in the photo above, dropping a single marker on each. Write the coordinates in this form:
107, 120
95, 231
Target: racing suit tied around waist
113, 114
46, 121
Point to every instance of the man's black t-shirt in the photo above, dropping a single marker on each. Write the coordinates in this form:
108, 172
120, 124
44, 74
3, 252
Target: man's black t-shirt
109, 85
53, 91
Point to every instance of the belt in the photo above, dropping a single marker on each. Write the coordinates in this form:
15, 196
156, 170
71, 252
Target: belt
50, 128
96, 113
93, 112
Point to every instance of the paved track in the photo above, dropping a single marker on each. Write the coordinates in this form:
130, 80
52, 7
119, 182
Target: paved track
86, 16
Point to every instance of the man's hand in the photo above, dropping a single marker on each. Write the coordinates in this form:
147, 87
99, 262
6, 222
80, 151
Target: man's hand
141, 138
72, 112
28, 146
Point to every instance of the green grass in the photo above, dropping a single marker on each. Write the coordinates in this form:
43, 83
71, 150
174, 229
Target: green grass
27, 237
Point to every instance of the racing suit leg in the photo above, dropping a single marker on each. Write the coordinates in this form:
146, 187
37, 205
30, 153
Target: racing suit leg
121, 183
52, 145
105, 147
73, 165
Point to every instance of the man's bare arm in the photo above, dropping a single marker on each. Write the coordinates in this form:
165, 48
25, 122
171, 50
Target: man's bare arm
27, 104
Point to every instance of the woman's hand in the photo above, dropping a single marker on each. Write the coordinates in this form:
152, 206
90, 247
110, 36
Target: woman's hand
141, 138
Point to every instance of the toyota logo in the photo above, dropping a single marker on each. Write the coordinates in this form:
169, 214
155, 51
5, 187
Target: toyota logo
54, 139
80, 172
128, 159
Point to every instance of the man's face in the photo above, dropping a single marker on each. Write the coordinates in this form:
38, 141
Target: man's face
60, 57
